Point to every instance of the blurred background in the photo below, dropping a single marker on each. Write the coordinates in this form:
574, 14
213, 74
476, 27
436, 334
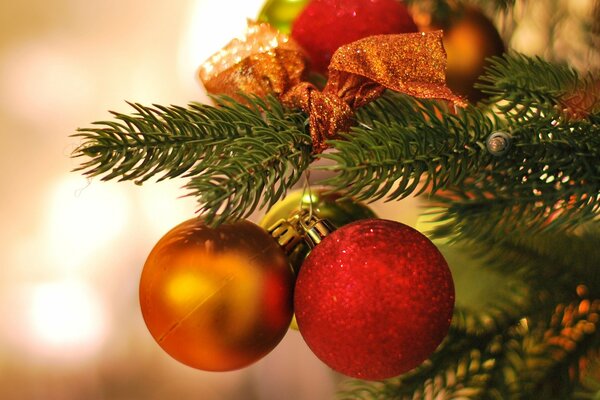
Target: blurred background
72, 249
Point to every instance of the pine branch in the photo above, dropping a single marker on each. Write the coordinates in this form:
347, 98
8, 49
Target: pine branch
461, 369
401, 146
543, 359
232, 153
551, 182
523, 86
526, 362
549, 179
404, 146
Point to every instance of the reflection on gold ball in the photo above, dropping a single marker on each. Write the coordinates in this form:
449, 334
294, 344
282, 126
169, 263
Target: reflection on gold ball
217, 299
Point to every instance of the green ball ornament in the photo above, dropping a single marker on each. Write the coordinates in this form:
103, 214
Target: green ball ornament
281, 13
333, 207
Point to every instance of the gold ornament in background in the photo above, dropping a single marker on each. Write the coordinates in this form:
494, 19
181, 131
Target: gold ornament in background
217, 299
281, 13
469, 38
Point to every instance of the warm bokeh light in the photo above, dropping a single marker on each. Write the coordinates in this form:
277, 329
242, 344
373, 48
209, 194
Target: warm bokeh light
218, 20
83, 217
65, 317
164, 205
45, 75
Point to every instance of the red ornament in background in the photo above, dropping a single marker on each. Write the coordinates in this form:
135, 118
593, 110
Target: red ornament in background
374, 299
325, 25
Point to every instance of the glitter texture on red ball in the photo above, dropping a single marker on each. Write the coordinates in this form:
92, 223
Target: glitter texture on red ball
325, 25
374, 299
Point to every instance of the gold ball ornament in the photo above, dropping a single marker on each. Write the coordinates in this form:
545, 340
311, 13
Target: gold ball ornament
330, 206
217, 299
469, 38
281, 13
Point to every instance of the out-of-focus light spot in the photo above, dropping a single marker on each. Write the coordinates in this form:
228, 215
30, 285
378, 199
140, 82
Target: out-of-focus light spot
203, 37
83, 219
528, 38
41, 77
580, 8
163, 206
65, 316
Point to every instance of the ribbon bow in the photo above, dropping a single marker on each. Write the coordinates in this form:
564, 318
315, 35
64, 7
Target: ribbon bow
266, 61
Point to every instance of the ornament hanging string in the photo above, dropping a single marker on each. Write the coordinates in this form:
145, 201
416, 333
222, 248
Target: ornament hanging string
265, 61
307, 189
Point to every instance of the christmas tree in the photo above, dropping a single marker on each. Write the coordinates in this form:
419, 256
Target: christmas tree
509, 180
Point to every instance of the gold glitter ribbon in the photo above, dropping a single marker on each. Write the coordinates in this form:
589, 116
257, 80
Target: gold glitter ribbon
266, 61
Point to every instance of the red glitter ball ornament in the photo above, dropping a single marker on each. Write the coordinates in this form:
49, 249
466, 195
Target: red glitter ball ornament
325, 25
374, 299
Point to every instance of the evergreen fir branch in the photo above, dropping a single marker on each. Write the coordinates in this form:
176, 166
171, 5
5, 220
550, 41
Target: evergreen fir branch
462, 369
539, 195
522, 86
403, 146
232, 153
549, 179
543, 359
526, 362
171, 140
553, 252
496, 218
265, 165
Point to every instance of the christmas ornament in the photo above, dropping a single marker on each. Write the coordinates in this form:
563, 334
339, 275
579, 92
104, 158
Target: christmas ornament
330, 206
374, 299
217, 299
325, 25
469, 38
265, 61
281, 13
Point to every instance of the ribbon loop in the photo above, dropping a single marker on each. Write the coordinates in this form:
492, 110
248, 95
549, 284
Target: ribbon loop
263, 61
411, 63
266, 61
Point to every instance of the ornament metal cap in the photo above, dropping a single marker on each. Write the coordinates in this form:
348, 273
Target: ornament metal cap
286, 235
315, 229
